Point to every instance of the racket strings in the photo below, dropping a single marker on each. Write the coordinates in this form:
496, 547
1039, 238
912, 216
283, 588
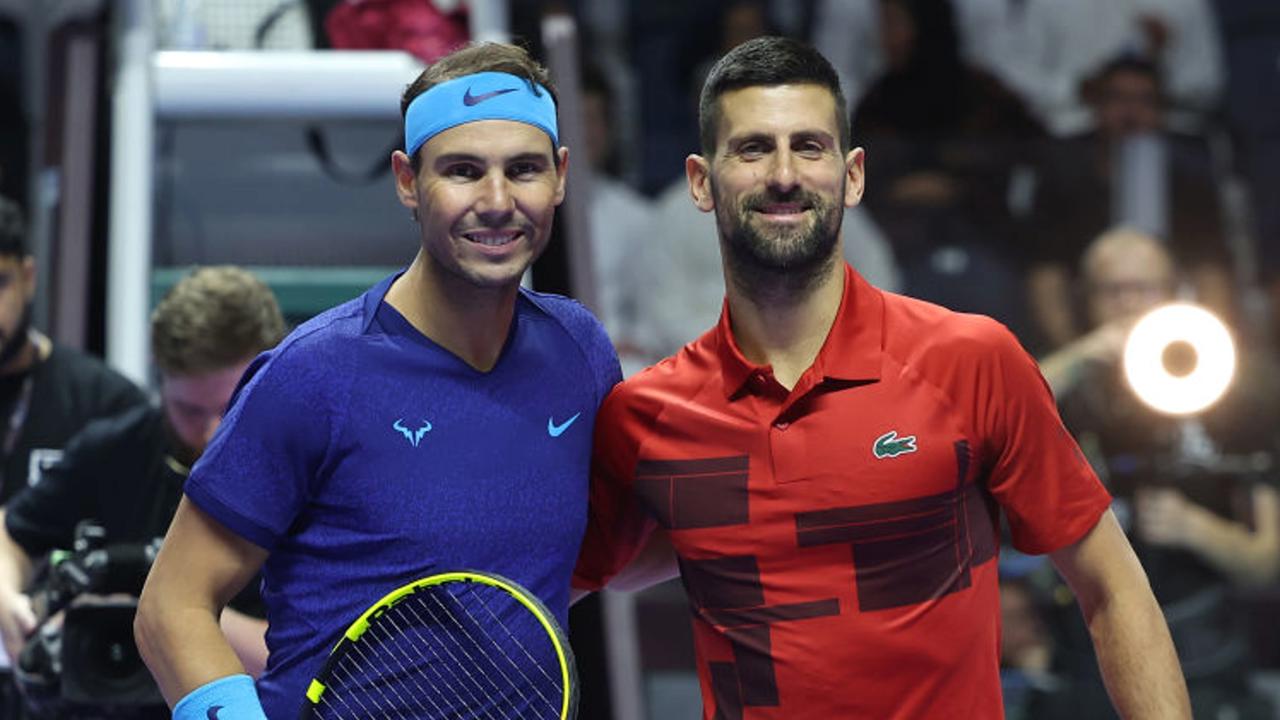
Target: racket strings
468, 690
380, 699
555, 682
432, 656
329, 698
434, 641
487, 634
377, 678
409, 672
332, 699
383, 632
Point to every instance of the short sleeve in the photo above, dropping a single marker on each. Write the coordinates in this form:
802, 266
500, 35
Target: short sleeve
259, 468
617, 527
601, 357
1036, 472
590, 336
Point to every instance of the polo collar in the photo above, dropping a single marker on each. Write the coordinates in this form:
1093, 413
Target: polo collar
851, 351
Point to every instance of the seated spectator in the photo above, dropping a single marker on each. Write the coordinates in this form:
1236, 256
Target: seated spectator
1046, 49
1083, 183
126, 472
1197, 495
943, 140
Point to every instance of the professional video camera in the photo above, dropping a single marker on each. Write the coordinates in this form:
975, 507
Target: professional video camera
82, 662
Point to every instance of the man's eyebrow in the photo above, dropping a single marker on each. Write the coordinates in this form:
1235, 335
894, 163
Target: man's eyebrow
750, 136
458, 157
820, 135
806, 134
733, 143
530, 157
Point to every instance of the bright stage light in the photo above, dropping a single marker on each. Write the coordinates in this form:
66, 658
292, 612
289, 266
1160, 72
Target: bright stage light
1179, 359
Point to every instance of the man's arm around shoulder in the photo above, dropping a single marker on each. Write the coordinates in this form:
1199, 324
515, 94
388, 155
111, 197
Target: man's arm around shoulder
1135, 653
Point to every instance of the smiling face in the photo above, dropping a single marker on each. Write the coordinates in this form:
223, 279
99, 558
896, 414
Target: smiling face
485, 198
778, 181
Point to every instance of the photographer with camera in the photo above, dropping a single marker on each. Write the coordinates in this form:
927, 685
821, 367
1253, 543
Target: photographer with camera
48, 392
126, 472
1196, 494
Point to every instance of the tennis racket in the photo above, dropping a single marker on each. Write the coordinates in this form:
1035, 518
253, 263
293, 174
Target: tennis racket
451, 646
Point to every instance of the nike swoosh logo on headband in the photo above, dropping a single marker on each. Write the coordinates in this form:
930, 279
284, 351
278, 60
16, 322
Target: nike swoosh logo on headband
468, 99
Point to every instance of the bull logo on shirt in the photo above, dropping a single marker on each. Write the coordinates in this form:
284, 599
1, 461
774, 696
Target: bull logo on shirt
413, 436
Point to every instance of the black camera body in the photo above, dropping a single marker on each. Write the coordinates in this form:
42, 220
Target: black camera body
82, 662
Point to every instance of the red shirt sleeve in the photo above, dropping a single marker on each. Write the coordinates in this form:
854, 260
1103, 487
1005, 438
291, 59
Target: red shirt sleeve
1037, 473
617, 527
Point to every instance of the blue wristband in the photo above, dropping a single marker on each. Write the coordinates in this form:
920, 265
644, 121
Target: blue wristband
229, 698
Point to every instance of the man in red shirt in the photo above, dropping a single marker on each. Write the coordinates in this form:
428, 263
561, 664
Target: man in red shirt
829, 461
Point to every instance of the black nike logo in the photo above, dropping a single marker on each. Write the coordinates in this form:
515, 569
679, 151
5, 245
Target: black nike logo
212, 714
468, 99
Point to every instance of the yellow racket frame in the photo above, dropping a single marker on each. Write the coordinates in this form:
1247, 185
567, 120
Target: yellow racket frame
531, 603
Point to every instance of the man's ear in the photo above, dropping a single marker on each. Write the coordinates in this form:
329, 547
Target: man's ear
855, 176
698, 171
406, 179
562, 172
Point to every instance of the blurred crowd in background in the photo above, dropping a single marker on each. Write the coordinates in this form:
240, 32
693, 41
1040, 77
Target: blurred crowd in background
1059, 165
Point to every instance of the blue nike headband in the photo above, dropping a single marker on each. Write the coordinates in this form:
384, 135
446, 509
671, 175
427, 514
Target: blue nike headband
482, 96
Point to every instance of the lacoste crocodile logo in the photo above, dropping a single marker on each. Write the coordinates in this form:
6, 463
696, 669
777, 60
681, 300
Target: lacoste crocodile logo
469, 100
889, 445
413, 436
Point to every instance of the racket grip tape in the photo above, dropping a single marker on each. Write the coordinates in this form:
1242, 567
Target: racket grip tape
227, 698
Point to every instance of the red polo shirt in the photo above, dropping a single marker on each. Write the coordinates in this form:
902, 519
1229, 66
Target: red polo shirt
838, 541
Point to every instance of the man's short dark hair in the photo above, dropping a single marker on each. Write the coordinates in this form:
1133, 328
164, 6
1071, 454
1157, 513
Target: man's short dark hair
767, 61
1124, 63
477, 58
13, 230
213, 319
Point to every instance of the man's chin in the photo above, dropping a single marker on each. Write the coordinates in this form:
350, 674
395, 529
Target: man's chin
783, 255
494, 278
784, 251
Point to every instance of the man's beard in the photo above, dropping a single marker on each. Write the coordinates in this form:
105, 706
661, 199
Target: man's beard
12, 344
778, 263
